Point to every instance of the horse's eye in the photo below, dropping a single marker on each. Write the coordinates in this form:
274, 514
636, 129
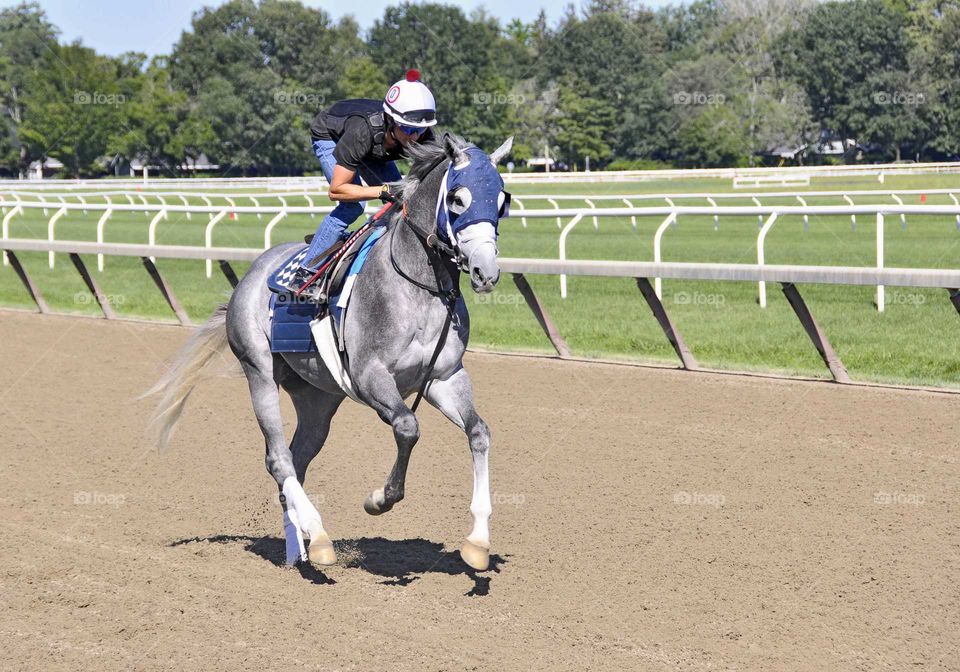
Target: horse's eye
459, 200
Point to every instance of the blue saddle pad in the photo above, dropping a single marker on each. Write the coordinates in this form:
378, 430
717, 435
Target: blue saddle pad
279, 281
291, 315
290, 324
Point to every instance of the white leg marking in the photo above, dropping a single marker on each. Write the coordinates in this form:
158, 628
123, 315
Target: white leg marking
296, 551
480, 505
307, 515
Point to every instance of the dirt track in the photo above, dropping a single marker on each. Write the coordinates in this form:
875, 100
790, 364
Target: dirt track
643, 520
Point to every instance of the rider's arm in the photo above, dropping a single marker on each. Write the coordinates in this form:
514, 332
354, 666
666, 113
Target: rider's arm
343, 189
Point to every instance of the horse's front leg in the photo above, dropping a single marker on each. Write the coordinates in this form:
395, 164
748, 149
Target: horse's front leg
381, 394
454, 398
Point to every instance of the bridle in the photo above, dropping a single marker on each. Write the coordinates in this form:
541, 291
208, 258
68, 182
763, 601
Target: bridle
444, 260
449, 258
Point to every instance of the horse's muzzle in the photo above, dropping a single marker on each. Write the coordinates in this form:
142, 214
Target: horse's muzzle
483, 282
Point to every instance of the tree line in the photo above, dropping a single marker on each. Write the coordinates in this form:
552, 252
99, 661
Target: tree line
705, 84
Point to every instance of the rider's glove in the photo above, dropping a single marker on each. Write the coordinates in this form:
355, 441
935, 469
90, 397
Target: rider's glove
389, 193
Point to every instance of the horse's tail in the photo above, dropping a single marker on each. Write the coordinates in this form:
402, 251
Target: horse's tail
175, 386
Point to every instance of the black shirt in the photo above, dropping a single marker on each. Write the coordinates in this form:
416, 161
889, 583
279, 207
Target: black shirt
347, 124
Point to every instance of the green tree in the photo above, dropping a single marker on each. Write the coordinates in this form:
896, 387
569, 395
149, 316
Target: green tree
846, 55
363, 79
586, 126
715, 138
258, 73
465, 62
161, 124
25, 37
74, 102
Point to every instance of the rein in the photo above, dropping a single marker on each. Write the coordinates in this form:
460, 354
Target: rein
443, 259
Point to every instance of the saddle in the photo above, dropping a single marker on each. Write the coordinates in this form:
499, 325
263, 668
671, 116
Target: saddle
293, 315
292, 279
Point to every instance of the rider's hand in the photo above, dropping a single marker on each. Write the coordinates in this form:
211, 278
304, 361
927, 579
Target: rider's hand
389, 193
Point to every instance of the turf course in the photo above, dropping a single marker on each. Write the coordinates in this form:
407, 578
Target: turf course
916, 341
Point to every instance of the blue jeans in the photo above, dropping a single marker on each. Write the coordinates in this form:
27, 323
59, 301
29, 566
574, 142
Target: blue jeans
334, 226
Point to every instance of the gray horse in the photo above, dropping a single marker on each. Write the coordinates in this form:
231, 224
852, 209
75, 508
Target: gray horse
391, 332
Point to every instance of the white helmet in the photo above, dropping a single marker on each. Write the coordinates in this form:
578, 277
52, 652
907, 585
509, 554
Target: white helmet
410, 103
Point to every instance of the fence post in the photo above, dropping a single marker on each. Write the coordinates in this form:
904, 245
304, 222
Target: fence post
208, 239
903, 216
761, 238
563, 252
556, 206
881, 291
152, 230
816, 334
93, 287
6, 228
268, 232
28, 283
806, 218
520, 208
853, 217
50, 232
687, 359
165, 289
657, 257
101, 223
633, 218
541, 314
596, 224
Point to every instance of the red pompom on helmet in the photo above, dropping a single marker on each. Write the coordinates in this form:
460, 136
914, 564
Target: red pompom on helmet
413, 75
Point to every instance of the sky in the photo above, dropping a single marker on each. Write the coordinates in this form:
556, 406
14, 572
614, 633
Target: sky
113, 27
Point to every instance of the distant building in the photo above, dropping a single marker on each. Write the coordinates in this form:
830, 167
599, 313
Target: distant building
134, 167
46, 168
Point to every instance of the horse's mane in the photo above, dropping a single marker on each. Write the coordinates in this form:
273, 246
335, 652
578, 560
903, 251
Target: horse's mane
424, 155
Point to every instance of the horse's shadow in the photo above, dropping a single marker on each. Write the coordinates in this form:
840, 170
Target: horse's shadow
400, 562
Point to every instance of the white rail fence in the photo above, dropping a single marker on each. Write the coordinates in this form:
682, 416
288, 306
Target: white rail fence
768, 215
872, 170
132, 197
788, 276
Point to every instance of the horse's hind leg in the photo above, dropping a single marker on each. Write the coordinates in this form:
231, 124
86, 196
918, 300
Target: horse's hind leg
300, 515
315, 409
454, 398
381, 395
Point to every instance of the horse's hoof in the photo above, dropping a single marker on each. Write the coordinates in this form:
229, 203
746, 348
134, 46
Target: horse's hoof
321, 551
475, 556
375, 503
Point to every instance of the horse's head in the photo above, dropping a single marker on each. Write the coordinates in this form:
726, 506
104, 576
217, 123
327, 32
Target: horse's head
470, 201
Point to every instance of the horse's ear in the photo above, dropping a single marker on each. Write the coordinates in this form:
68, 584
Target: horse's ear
501, 151
453, 149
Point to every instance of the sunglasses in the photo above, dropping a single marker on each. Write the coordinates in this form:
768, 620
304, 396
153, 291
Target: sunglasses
411, 130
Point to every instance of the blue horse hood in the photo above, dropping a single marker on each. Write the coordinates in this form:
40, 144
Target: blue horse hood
472, 191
